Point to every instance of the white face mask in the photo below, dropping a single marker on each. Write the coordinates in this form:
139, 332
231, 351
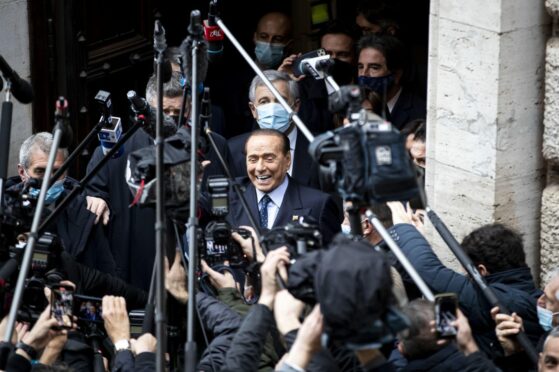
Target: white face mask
346, 229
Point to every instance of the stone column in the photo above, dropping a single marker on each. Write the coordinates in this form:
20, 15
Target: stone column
485, 111
14, 42
550, 197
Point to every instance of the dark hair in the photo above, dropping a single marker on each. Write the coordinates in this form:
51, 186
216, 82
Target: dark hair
411, 126
383, 213
419, 340
420, 133
379, 12
495, 246
393, 50
271, 132
336, 27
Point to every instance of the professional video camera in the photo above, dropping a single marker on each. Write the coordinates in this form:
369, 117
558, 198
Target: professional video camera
366, 161
20, 205
216, 244
298, 236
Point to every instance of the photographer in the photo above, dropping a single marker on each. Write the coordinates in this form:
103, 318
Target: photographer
499, 256
80, 236
33, 342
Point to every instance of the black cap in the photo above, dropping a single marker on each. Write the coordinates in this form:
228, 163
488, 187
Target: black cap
354, 288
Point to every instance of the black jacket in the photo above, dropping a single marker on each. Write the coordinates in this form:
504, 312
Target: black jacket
248, 343
514, 288
305, 170
408, 107
130, 230
450, 359
222, 323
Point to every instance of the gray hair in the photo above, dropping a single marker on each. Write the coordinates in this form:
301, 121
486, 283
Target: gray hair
41, 141
274, 75
171, 89
550, 275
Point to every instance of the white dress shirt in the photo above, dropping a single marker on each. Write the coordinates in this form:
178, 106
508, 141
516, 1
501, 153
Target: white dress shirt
390, 104
276, 196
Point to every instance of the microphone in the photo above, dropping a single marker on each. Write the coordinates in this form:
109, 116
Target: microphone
20, 88
160, 44
195, 38
213, 34
61, 116
315, 64
111, 132
138, 104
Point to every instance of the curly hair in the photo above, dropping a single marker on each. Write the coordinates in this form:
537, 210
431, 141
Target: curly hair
495, 246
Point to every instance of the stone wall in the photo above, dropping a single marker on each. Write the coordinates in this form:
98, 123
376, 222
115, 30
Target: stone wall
550, 197
14, 47
485, 105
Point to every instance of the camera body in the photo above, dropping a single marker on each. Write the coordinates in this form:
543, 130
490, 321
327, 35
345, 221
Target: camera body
216, 244
298, 236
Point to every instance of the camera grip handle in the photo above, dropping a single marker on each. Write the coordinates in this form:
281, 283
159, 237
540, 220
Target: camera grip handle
148, 325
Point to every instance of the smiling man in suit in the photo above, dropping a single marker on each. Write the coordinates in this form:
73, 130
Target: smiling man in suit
274, 198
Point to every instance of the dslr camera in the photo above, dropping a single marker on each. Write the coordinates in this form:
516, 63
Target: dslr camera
216, 244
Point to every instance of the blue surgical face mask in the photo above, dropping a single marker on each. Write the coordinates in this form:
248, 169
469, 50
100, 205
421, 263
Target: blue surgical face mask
377, 84
545, 318
269, 55
53, 193
273, 116
346, 229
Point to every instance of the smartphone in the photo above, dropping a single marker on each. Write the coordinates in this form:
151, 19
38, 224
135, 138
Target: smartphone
88, 309
446, 305
62, 305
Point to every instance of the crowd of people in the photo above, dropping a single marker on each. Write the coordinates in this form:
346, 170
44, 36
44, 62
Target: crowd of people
348, 306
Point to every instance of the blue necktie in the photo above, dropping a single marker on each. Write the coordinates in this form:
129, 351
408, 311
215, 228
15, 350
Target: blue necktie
263, 210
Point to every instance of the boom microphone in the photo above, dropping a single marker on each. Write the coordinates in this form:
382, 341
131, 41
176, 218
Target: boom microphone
20, 88
195, 38
213, 34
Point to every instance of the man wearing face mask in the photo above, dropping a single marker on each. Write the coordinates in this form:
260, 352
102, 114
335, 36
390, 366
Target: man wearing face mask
548, 318
381, 65
270, 114
271, 38
81, 237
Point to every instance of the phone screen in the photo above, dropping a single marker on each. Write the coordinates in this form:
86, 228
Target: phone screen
62, 301
445, 314
88, 309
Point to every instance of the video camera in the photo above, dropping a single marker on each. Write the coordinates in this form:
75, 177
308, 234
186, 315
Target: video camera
216, 244
298, 236
366, 161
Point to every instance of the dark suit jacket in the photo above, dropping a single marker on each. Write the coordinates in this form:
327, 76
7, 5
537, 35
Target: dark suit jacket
305, 170
298, 201
409, 107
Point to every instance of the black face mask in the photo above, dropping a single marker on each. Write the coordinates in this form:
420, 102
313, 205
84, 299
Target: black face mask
342, 72
169, 127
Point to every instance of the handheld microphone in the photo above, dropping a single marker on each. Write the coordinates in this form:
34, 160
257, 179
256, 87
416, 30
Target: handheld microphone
314, 64
61, 116
112, 127
20, 88
213, 34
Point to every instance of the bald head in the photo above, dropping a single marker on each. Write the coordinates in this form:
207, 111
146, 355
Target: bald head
274, 27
